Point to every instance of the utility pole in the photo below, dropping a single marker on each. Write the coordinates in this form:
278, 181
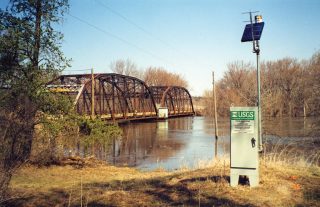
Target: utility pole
92, 94
215, 117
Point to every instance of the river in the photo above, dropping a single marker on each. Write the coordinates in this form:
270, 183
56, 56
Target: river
189, 141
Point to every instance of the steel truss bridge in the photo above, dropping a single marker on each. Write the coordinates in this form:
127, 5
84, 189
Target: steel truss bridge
119, 97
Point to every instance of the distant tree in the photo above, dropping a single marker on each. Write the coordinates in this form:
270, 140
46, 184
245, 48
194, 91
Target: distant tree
30, 55
312, 88
288, 75
240, 78
153, 76
271, 93
237, 88
160, 77
208, 103
288, 87
282, 87
126, 67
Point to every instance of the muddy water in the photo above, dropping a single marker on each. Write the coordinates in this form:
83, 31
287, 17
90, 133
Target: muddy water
188, 141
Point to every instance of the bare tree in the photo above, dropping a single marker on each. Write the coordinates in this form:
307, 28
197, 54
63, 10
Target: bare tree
240, 78
289, 87
160, 77
126, 67
313, 85
282, 83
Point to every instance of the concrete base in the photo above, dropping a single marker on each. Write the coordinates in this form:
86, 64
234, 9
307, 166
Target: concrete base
253, 176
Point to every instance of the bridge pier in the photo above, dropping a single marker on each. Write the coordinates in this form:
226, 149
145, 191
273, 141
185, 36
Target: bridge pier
163, 112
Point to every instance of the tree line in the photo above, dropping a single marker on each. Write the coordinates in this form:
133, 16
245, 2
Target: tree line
289, 87
152, 76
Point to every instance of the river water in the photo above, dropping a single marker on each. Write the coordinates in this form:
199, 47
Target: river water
189, 141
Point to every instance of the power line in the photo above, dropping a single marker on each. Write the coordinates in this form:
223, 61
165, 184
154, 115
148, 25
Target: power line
135, 24
120, 39
170, 46
72, 71
77, 69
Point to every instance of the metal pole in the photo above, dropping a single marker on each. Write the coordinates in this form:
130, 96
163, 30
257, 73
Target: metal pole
215, 117
92, 94
259, 101
256, 49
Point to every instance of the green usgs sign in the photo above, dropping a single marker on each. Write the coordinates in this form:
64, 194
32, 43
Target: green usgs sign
242, 115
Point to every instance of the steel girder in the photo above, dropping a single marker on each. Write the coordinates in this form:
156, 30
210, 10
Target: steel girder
177, 99
115, 96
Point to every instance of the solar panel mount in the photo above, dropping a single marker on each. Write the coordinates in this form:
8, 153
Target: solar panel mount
255, 29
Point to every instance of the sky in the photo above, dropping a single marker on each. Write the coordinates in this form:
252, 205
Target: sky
188, 37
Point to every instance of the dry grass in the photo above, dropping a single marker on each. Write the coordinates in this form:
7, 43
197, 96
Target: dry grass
280, 185
301, 152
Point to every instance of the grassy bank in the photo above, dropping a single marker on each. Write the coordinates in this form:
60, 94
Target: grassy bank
102, 185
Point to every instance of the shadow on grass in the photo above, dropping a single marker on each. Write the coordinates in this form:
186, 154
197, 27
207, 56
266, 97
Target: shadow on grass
312, 196
137, 192
55, 196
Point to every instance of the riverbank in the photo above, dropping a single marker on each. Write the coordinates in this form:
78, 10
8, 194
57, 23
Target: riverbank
103, 185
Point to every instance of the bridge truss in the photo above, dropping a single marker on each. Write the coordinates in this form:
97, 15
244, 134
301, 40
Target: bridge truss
118, 97
177, 99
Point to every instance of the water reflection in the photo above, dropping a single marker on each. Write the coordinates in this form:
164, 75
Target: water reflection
145, 141
179, 142
168, 143
290, 127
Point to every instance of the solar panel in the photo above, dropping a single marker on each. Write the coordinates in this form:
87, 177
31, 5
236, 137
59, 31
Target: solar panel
257, 31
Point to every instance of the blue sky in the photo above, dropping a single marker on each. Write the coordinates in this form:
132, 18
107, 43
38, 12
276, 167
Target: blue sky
189, 37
